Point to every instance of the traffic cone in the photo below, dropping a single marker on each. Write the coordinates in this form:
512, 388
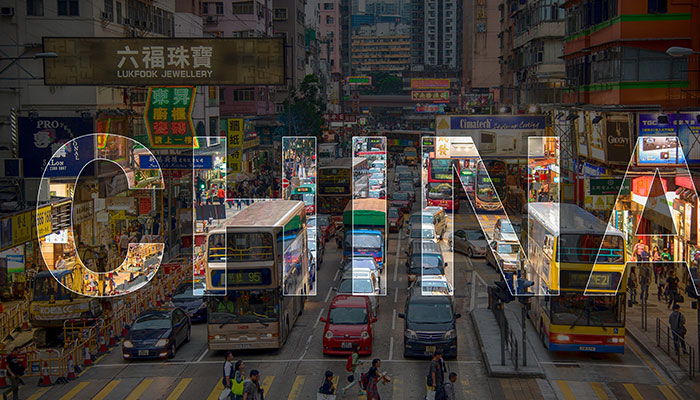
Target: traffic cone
124, 331
71, 369
3, 378
112, 338
103, 346
87, 358
45, 375
25, 324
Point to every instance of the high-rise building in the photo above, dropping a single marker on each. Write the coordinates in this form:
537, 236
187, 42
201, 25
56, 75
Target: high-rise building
289, 23
436, 34
480, 71
382, 47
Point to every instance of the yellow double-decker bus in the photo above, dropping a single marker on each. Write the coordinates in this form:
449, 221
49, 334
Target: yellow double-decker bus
257, 274
561, 257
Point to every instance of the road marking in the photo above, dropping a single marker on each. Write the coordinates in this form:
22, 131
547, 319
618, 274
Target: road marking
319, 318
275, 361
393, 320
38, 393
106, 390
398, 392
391, 348
633, 391
181, 386
140, 389
267, 383
566, 390
639, 354
666, 392
396, 261
330, 289
296, 387
591, 364
75, 391
306, 348
396, 295
337, 272
599, 391
214, 395
204, 353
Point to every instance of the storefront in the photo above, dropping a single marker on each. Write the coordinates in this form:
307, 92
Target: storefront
654, 207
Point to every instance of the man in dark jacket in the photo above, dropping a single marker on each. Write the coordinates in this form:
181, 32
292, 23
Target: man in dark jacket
14, 370
677, 322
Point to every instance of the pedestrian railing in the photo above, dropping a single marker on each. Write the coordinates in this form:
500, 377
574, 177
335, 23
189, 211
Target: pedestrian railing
680, 351
509, 343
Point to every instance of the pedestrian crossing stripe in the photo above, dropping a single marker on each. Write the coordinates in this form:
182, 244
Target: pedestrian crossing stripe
179, 389
599, 391
633, 391
106, 390
566, 390
140, 389
38, 393
296, 387
71, 393
667, 392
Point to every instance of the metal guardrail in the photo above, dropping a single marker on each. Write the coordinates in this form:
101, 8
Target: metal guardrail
685, 359
509, 343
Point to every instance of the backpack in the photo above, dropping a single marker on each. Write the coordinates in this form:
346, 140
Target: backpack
348, 364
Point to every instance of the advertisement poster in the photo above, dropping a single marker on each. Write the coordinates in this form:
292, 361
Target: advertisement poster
494, 135
40, 138
15, 259
684, 125
617, 131
659, 150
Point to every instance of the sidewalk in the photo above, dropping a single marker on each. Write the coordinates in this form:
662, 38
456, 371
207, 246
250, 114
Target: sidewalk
647, 339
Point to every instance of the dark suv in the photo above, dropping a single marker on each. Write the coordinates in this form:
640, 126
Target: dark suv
429, 324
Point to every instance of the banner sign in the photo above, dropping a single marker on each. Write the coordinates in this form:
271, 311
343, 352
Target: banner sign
608, 187
437, 96
659, 150
359, 80
235, 143
496, 122
164, 61
684, 125
168, 116
617, 131
429, 108
340, 117
419, 83
182, 161
40, 138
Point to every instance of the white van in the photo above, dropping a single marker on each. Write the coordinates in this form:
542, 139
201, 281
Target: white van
432, 215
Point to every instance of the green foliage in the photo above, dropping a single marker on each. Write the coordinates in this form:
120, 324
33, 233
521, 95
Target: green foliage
307, 108
383, 83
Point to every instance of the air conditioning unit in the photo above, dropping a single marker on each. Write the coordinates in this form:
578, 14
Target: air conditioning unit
7, 11
127, 21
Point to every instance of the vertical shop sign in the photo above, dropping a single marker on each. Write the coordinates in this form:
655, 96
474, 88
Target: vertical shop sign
235, 144
168, 117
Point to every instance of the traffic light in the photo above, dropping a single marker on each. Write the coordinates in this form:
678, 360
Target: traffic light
523, 292
502, 291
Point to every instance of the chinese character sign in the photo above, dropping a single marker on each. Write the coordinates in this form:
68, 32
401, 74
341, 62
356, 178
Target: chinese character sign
235, 144
168, 116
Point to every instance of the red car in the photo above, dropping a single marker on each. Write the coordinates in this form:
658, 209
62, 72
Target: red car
349, 322
401, 200
395, 219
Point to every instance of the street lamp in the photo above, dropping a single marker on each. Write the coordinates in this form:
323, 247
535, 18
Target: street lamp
677, 51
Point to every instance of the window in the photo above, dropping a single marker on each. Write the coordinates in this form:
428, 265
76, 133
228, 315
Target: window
222, 96
300, 16
329, 20
213, 126
68, 8
109, 10
244, 95
327, 6
205, 8
35, 8
219, 8
119, 12
658, 6
280, 14
245, 7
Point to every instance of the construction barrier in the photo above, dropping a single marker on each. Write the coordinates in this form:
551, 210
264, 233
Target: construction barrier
13, 318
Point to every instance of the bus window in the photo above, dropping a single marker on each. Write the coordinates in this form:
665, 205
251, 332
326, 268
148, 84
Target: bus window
256, 246
240, 306
583, 248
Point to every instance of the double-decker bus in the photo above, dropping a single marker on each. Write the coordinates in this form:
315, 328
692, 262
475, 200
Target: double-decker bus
441, 184
490, 172
335, 187
561, 257
257, 271
307, 194
410, 155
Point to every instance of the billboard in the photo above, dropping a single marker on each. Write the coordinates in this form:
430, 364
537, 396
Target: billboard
40, 138
436, 96
494, 135
683, 125
164, 61
421, 83
168, 117
617, 133
359, 80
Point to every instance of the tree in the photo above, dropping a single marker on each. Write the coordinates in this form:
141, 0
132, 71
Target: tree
306, 108
383, 83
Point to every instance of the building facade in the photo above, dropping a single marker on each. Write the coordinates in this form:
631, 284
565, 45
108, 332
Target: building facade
383, 47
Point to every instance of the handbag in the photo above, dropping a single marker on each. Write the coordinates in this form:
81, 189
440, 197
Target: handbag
225, 394
351, 378
679, 298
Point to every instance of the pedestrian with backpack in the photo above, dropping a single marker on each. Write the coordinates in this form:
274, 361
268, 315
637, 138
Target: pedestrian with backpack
352, 366
436, 375
14, 371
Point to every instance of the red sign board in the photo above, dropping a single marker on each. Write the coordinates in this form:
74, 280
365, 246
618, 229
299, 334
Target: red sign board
418, 83
144, 205
285, 182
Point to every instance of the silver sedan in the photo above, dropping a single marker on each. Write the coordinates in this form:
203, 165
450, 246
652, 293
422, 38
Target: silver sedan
467, 241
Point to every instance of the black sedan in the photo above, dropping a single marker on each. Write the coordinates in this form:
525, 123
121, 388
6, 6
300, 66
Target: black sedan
157, 333
189, 296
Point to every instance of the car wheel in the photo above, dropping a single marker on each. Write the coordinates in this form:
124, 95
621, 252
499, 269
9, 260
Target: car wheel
189, 334
173, 350
470, 253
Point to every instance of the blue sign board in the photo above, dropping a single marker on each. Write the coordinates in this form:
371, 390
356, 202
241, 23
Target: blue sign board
497, 122
183, 161
40, 138
662, 151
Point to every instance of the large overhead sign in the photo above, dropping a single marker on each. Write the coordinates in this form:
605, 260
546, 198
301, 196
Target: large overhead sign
164, 61
421, 83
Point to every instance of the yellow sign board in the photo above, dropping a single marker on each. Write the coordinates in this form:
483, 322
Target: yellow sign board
235, 144
22, 228
43, 221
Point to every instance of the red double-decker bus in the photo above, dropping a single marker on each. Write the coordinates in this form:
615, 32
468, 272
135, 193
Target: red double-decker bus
440, 190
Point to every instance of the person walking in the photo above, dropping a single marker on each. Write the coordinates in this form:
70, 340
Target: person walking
449, 388
327, 388
251, 387
221, 194
656, 259
237, 381
123, 243
373, 377
436, 375
644, 282
14, 370
228, 373
632, 285
677, 322
672, 287
354, 363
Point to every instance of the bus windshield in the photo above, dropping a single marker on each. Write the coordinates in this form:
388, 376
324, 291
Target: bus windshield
440, 191
241, 306
486, 193
583, 249
256, 246
579, 310
307, 198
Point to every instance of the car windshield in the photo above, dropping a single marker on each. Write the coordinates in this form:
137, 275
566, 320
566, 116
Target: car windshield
506, 227
431, 260
421, 218
394, 213
347, 316
376, 182
364, 241
507, 249
153, 321
405, 187
406, 176
359, 286
186, 289
427, 313
422, 233
401, 196
475, 235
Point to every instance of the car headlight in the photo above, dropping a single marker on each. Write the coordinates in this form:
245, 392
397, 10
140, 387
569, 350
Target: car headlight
329, 335
410, 334
128, 344
451, 334
364, 335
162, 343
